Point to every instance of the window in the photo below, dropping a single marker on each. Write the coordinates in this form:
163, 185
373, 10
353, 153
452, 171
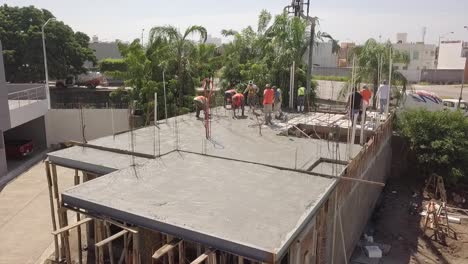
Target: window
432, 53
415, 55
463, 106
449, 104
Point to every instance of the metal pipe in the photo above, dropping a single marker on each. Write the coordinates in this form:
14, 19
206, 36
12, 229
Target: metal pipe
165, 102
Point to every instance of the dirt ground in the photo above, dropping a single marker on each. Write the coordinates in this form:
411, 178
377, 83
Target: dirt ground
398, 223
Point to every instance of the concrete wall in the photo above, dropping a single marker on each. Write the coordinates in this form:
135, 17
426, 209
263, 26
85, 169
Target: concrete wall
65, 125
331, 71
24, 114
3, 162
442, 76
4, 109
356, 201
413, 76
322, 55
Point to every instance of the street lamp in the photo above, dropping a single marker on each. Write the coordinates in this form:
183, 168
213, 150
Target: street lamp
45, 63
438, 52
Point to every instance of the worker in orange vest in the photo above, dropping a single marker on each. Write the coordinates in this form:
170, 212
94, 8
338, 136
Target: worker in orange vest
268, 97
228, 96
199, 102
238, 102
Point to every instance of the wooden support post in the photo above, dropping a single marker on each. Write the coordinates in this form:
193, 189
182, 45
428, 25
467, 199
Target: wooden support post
109, 241
240, 260
203, 257
181, 252
67, 228
212, 258
170, 254
80, 253
136, 249
52, 209
62, 216
167, 248
343, 240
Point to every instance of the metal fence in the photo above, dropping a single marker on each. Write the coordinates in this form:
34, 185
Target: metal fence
27, 96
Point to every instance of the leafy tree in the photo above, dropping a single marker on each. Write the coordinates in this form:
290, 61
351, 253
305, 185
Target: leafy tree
182, 47
439, 141
20, 33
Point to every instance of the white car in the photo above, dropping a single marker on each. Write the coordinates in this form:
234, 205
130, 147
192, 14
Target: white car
453, 105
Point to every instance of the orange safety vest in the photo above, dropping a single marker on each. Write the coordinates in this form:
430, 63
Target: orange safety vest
237, 99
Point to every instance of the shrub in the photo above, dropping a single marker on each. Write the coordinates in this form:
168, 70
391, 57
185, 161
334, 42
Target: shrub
439, 141
112, 65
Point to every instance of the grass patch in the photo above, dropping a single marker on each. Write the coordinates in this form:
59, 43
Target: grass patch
331, 78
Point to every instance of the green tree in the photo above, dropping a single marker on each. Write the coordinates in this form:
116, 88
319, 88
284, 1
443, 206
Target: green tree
439, 141
20, 34
183, 48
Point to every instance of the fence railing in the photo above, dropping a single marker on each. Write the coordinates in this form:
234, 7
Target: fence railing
27, 96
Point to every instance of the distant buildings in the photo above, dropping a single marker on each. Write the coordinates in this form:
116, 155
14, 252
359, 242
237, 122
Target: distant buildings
343, 55
103, 50
450, 55
422, 56
214, 40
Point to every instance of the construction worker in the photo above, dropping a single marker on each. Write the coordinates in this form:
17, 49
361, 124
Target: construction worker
251, 91
228, 96
277, 102
384, 93
199, 102
300, 99
366, 96
268, 98
238, 102
354, 104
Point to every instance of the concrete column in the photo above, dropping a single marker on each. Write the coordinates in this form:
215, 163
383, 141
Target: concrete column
3, 162
4, 108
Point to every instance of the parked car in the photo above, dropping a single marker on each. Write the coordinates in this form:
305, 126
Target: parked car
18, 148
89, 79
453, 105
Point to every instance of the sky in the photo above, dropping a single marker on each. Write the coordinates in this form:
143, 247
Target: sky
345, 20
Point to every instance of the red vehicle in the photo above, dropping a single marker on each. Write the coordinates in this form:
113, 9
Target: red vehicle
18, 148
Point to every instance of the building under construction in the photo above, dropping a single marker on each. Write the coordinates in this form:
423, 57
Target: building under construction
294, 192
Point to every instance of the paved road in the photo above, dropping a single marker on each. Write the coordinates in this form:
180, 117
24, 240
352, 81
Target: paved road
25, 221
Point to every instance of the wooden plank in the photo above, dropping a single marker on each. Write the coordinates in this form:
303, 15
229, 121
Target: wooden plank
166, 248
111, 238
66, 228
202, 257
118, 151
52, 209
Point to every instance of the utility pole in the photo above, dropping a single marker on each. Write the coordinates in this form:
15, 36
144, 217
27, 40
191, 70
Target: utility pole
465, 54
142, 33
46, 72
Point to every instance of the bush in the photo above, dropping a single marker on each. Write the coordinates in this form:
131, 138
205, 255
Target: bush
439, 140
112, 65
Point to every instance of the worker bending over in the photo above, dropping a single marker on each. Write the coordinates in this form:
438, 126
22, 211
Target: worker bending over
228, 96
238, 102
199, 102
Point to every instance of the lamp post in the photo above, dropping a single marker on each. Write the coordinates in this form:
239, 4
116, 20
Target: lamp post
45, 63
438, 52
464, 73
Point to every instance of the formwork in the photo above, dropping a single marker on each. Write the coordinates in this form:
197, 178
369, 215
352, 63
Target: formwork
166, 194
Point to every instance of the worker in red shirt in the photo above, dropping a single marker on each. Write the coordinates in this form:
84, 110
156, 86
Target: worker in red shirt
199, 102
268, 98
238, 102
366, 97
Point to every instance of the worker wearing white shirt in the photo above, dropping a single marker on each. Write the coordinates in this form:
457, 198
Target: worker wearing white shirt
383, 93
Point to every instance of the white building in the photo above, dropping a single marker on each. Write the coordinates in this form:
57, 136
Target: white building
323, 55
214, 40
422, 56
450, 55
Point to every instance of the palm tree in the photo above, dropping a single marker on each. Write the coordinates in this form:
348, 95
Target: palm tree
183, 48
368, 57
